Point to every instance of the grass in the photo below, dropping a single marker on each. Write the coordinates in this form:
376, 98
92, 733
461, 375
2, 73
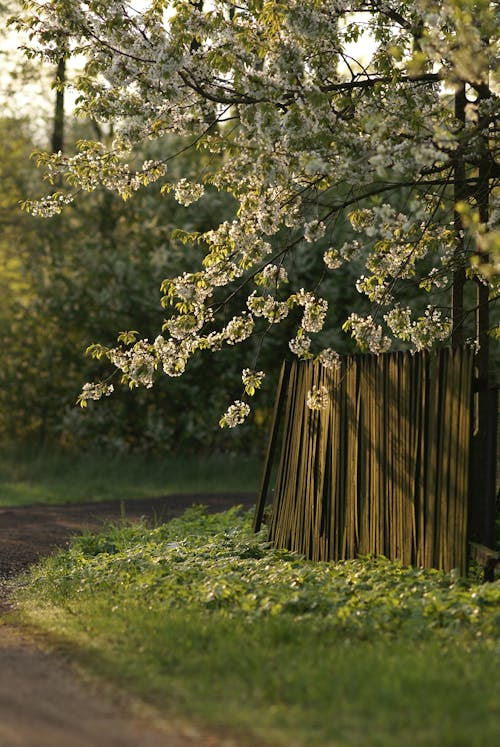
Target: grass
51, 477
203, 619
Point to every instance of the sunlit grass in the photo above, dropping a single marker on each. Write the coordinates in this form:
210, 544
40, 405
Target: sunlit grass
202, 619
48, 477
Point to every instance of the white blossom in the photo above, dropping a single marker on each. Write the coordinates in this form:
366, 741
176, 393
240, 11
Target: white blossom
306, 141
314, 310
252, 380
235, 414
94, 391
187, 192
272, 276
329, 358
422, 332
317, 398
300, 345
239, 328
333, 259
314, 315
172, 356
368, 335
314, 231
268, 307
138, 363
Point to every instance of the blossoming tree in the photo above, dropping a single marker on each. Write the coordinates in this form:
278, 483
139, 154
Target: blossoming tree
379, 113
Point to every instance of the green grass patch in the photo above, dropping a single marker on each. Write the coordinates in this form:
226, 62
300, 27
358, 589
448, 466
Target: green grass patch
202, 618
51, 477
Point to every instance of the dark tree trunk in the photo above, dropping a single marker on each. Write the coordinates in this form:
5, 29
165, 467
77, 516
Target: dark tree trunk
58, 129
459, 194
482, 498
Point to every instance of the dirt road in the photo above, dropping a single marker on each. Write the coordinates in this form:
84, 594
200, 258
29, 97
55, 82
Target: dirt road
43, 702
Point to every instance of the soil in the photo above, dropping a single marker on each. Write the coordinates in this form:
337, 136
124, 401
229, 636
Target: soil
43, 702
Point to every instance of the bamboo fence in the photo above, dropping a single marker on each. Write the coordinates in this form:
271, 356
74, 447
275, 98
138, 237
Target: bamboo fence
384, 468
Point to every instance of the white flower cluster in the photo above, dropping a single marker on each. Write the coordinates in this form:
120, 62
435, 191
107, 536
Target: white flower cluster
252, 380
314, 315
192, 288
94, 391
329, 358
239, 328
375, 288
399, 321
317, 398
186, 192
235, 414
368, 335
314, 231
272, 276
437, 277
138, 363
221, 273
315, 309
333, 259
268, 307
422, 332
173, 356
185, 325
48, 206
300, 346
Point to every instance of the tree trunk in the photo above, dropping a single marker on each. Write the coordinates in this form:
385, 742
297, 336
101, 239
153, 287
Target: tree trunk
459, 194
58, 129
482, 498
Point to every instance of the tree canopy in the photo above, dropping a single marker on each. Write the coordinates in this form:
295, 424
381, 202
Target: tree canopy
363, 133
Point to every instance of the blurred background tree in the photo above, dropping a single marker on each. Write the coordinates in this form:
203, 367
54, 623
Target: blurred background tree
79, 277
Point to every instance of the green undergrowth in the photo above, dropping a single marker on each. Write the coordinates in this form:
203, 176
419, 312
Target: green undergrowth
202, 618
28, 477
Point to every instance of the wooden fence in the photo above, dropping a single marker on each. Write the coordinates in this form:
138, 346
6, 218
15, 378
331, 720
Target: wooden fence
384, 468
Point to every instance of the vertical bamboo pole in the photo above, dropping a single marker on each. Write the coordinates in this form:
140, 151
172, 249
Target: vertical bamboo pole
463, 453
323, 470
422, 500
431, 456
415, 364
445, 550
391, 462
337, 459
406, 455
364, 447
375, 412
271, 448
351, 482
278, 533
300, 434
385, 501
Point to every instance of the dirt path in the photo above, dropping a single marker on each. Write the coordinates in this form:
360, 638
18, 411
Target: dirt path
43, 703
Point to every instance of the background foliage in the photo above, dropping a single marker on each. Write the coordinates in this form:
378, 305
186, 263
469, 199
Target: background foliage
96, 269
70, 280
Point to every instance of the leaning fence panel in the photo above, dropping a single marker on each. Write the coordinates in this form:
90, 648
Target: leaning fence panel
383, 468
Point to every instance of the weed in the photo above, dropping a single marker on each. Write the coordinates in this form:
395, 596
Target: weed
202, 617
